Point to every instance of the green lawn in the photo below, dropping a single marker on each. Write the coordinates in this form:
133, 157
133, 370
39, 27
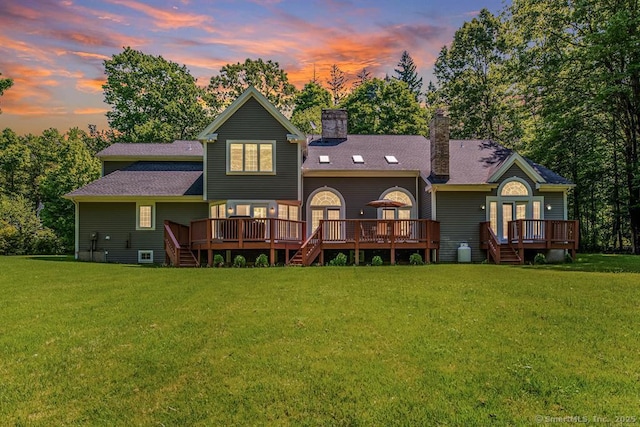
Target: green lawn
432, 345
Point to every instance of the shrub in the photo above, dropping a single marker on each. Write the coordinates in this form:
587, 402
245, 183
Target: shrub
567, 258
218, 260
262, 261
239, 261
376, 261
539, 259
340, 260
415, 259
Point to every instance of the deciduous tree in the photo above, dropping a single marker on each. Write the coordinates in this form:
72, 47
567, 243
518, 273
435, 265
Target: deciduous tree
152, 99
384, 107
267, 77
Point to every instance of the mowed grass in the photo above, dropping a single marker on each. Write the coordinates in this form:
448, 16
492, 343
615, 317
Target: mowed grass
432, 345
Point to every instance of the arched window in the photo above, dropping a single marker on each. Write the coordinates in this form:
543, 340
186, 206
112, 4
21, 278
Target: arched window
325, 198
514, 188
399, 196
396, 194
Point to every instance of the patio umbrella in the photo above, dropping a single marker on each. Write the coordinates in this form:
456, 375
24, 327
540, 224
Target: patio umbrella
386, 203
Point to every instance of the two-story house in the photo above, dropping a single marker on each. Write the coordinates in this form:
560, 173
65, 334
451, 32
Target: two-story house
253, 183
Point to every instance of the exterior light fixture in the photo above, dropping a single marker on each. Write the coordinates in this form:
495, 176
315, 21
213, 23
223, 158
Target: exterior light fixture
483, 207
548, 207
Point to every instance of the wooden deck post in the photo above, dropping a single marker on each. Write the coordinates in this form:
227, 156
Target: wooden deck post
209, 257
357, 240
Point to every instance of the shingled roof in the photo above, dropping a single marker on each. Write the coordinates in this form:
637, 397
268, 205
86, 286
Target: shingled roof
471, 161
175, 150
411, 151
142, 179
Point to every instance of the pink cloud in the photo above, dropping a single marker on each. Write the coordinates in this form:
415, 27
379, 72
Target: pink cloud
167, 19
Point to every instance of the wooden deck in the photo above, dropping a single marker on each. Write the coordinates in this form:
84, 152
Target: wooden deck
529, 234
272, 234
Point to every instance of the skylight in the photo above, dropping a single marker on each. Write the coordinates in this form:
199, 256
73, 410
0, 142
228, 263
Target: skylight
391, 159
324, 159
357, 158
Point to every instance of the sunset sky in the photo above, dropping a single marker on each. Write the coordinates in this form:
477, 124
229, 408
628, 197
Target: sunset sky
54, 49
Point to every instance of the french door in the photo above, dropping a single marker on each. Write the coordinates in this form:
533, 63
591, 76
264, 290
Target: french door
332, 230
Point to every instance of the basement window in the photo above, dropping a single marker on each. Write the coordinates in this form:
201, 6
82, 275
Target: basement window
391, 160
145, 257
357, 158
324, 159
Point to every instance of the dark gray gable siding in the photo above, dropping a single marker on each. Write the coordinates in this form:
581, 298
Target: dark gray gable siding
460, 216
515, 170
118, 221
112, 166
252, 122
358, 191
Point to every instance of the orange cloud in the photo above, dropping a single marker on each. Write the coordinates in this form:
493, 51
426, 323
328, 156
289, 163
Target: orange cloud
90, 85
167, 19
90, 110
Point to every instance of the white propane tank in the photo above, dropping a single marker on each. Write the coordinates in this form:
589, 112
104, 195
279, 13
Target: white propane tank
464, 253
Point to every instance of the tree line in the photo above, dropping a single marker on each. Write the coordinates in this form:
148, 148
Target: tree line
558, 81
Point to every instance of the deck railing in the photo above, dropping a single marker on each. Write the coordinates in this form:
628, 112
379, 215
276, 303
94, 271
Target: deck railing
489, 238
552, 233
214, 230
176, 239
381, 231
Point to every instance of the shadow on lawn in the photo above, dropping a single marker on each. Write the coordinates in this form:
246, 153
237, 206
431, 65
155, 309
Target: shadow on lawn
54, 258
602, 263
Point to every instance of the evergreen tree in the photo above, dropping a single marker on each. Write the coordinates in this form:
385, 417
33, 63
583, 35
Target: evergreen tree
362, 77
337, 82
406, 72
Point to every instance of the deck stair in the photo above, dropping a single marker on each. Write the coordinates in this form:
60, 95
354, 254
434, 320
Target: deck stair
296, 260
187, 259
509, 255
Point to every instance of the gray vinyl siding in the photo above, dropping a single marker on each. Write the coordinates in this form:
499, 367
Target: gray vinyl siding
357, 192
118, 221
460, 216
556, 200
108, 167
252, 122
425, 201
515, 170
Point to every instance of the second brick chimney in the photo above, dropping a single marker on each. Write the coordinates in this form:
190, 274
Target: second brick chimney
334, 124
439, 138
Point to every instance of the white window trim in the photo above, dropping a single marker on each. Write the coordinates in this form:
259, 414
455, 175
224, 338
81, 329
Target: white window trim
145, 261
153, 216
413, 208
251, 141
499, 199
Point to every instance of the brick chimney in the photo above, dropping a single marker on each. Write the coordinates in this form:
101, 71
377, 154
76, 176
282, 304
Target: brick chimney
439, 138
334, 124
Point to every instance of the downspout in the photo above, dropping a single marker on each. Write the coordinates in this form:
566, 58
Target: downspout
417, 197
77, 229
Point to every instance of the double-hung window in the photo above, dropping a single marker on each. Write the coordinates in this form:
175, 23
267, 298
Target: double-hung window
145, 216
251, 157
